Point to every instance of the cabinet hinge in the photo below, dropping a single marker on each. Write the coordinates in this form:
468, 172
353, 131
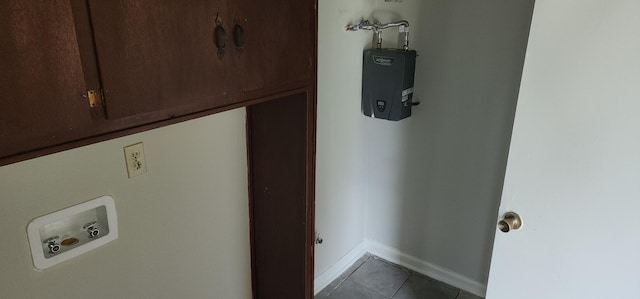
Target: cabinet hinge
94, 97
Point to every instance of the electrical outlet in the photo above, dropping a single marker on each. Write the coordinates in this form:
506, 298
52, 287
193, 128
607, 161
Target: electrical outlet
134, 157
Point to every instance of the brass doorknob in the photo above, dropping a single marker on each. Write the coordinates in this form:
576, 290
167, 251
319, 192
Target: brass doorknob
511, 221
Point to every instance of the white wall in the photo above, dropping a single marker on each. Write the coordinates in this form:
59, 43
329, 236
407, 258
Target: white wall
433, 181
340, 170
341, 188
183, 226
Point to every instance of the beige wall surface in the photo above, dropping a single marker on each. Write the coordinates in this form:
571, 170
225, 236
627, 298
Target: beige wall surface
183, 229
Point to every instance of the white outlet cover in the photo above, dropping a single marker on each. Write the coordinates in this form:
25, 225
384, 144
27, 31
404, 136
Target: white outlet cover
134, 158
41, 262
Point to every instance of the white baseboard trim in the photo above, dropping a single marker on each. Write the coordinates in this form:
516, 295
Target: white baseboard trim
338, 268
434, 271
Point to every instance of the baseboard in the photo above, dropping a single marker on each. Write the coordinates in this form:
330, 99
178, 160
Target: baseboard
434, 271
338, 268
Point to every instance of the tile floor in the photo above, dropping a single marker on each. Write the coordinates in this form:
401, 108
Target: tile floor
374, 278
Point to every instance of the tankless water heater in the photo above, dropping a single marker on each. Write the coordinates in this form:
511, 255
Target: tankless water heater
387, 83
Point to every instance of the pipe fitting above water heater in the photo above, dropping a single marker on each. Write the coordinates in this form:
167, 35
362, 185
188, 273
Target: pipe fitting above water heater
403, 27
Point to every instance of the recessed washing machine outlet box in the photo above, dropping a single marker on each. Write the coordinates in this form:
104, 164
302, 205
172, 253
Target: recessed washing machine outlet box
62, 235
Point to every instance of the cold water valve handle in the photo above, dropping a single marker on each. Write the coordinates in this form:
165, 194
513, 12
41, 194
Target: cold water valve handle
92, 229
53, 244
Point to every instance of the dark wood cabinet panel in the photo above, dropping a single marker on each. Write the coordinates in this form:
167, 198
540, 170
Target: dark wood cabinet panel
281, 143
279, 43
41, 77
159, 55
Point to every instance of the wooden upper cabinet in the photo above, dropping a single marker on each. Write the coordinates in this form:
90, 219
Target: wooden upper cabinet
161, 56
41, 77
279, 49
154, 62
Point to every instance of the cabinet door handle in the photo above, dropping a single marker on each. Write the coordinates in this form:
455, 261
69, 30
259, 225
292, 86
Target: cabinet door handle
238, 36
221, 40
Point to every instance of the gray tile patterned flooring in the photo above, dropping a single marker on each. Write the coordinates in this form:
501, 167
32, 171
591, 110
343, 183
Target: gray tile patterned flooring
374, 278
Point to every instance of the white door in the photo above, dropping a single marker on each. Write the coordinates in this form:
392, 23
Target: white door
573, 173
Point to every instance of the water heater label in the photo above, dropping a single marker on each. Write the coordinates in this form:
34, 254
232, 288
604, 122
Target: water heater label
382, 60
381, 105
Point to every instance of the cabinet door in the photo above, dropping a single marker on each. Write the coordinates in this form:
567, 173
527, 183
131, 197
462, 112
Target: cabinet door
279, 49
281, 145
41, 77
160, 56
